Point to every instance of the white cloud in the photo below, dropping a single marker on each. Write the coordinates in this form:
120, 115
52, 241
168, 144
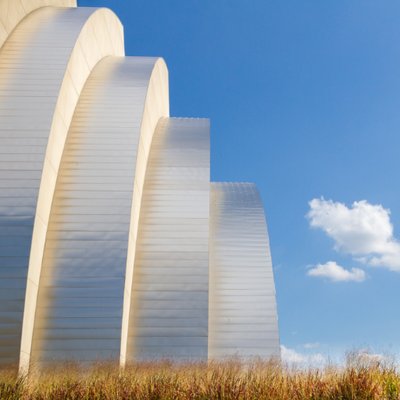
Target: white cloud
336, 273
363, 230
294, 358
365, 357
291, 356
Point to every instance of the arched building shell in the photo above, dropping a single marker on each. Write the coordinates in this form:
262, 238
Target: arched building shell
114, 245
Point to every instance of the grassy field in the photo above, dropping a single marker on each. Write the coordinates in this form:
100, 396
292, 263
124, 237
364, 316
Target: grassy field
229, 380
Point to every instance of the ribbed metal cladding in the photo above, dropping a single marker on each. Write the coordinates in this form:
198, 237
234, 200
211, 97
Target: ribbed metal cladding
12, 12
243, 317
79, 310
113, 243
169, 310
33, 63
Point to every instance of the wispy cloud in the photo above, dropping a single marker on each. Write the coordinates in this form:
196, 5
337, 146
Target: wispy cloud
294, 358
364, 357
314, 345
334, 272
363, 231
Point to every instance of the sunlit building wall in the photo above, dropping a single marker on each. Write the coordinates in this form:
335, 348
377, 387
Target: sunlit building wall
114, 246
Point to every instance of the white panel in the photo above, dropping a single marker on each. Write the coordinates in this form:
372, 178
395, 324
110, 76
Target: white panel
12, 12
169, 311
83, 270
242, 316
156, 106
43, 66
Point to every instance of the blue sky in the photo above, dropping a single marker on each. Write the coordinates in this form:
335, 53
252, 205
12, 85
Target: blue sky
304, 100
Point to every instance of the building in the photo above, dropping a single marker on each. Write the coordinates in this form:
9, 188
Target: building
114, 245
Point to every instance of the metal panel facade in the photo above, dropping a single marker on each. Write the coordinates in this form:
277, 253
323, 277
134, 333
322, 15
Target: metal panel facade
80, 301
113, 244
169, 311
243, 318
12, 12
33, 65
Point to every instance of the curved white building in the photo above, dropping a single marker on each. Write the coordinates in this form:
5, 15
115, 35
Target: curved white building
113, 243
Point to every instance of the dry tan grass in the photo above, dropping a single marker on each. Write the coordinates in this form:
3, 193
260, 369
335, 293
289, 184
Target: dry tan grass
228, 380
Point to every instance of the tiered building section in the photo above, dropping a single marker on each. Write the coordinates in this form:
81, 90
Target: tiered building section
113, 243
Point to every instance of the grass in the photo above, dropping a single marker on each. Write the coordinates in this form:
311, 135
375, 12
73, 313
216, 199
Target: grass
228, 380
